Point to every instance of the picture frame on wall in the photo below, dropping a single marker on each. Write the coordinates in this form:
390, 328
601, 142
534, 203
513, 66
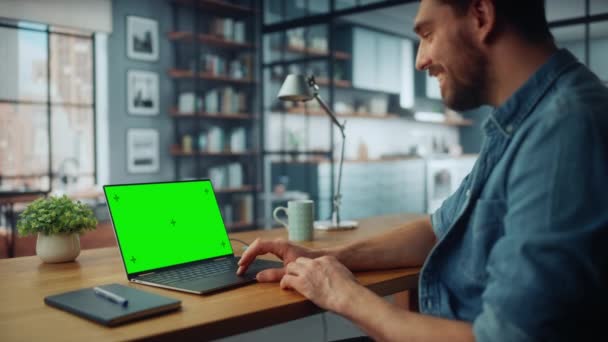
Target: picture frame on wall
143, 152
142, 39
142, 92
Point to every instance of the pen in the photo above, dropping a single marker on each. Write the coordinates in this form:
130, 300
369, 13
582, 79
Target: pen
112, 297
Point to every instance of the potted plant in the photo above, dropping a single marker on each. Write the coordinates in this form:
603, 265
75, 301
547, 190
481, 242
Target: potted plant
58, 221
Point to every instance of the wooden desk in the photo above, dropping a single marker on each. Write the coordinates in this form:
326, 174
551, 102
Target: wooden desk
24, 282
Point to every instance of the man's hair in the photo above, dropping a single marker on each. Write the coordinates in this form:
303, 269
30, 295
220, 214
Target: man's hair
527, 17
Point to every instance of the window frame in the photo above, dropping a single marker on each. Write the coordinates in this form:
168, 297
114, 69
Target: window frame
50, 105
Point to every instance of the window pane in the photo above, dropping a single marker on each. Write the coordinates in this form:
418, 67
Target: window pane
73, 150
273, 46
318, 6
23, 145
564, 9
344, 4
598, 7
598, 49
71, 69
295, 9
24, 65
273, 11
571, 38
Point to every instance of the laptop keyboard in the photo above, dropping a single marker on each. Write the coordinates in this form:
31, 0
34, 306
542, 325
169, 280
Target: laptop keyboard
190, 272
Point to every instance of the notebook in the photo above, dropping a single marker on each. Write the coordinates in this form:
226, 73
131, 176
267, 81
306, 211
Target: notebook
87, 304
172, 235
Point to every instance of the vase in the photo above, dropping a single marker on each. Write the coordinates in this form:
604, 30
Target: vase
58, 248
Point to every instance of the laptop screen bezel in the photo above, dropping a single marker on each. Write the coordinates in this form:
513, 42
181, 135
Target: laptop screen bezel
135, 274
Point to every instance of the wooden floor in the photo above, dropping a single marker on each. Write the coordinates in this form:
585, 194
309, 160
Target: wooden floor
103, 236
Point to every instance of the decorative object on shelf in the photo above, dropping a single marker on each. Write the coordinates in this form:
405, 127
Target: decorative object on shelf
187, 143
142, 150
142, 92
202, 141
238, 140
58, 221
215, 141
362, 152
189, 103
300, 88
142, 39
378, 105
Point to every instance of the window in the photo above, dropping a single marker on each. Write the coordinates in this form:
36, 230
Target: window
47, 108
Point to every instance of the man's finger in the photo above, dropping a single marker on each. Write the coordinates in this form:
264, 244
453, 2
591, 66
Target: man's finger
258, 247
287, 282
270, 275
294, 268
303, 261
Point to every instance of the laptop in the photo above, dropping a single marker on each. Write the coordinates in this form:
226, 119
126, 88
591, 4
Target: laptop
172, 235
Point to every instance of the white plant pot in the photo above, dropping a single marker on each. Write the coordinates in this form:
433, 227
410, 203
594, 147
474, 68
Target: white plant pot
58, 248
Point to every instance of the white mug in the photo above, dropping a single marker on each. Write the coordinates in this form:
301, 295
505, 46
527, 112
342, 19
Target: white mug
300, 217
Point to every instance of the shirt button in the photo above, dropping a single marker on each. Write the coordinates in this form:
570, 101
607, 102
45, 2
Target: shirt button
429, 303
468, 193
509, 129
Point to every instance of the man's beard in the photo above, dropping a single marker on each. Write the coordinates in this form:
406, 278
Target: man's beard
468, 91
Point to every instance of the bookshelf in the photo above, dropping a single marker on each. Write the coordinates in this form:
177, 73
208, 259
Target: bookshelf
214, 102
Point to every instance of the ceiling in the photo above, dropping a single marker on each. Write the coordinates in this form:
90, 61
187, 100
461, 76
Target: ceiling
400, 19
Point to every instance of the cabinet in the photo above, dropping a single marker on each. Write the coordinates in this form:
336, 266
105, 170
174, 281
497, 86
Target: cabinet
377, 61
368, 188
214, 98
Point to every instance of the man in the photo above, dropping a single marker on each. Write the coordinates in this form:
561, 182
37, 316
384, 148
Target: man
520, 251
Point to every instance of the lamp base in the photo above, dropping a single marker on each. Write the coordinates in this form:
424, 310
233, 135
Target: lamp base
331, 225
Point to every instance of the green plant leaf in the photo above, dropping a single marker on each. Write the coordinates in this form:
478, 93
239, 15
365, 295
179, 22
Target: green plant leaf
56, 215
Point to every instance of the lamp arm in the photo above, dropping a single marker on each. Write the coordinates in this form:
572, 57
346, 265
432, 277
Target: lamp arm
330, 113
334, 119
337, 195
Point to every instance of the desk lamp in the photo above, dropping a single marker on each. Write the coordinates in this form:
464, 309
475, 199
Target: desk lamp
299, 88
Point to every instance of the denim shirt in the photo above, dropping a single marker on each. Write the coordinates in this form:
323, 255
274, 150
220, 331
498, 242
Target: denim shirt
522, 248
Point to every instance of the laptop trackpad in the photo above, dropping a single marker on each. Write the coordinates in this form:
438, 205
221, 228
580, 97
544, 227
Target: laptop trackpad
229, 279
260, 264
217, 282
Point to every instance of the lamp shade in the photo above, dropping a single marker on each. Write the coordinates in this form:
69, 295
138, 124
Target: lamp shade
295, 88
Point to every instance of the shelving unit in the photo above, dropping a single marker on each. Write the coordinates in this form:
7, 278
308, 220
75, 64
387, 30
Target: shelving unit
214, 104
362, 85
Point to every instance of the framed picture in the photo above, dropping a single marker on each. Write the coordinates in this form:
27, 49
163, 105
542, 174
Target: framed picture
143, 150
142, 92
142, 39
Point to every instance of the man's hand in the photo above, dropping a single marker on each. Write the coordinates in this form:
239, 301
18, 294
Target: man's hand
283, 249
325, 281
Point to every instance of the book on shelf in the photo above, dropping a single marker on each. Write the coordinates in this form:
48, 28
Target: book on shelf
238, 141
218, 176
239, 32
227, 93
235, 175
215, 139
244, 207
228, 214
189, 103
213, 64
223, 27
212, 101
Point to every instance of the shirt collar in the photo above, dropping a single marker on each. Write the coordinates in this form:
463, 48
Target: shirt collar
512, 113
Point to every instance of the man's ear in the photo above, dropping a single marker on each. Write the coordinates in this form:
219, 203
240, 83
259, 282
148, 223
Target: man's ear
483, 16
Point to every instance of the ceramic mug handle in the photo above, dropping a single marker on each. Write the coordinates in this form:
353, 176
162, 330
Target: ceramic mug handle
276, 211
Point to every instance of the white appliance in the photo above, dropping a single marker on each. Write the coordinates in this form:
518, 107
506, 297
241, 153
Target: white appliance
443, 177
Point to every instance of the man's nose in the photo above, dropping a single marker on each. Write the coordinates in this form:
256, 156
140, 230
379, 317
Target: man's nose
422, 60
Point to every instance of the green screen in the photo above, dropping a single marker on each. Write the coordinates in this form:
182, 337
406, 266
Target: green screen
164, 224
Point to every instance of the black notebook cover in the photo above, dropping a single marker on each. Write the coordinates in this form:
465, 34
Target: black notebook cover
85, 303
